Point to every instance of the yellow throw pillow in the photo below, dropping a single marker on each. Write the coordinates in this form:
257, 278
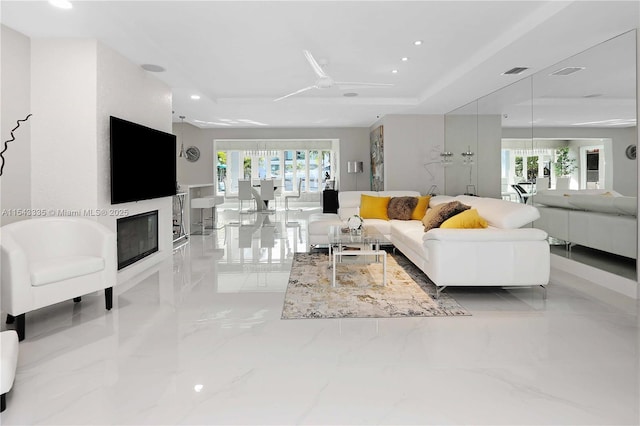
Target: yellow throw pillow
374, 207
420, 210
467, 219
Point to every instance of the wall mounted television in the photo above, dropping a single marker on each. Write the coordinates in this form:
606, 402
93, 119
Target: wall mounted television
143, 162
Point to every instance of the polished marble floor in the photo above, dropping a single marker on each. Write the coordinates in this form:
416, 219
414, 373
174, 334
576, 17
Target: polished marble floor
198, 339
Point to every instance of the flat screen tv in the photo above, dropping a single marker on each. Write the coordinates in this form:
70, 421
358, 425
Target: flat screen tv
143, 162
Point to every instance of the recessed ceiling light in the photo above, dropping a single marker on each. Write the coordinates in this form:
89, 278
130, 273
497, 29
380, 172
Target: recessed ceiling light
195, 97
417, 42
350, 95
405, 59
394, 71
62, 4
152, 68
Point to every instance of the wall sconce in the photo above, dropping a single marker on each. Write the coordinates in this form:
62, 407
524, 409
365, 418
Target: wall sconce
446, 158
467, 157
355, 167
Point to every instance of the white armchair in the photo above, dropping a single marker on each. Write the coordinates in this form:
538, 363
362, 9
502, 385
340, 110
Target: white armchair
8, 363
50, 260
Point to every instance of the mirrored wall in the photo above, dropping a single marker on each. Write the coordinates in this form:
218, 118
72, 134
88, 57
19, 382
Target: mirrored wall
564, 140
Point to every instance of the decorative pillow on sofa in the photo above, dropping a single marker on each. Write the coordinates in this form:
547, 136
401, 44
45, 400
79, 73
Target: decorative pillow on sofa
421, 208
467, 219
374, 207
401, 207
437, 215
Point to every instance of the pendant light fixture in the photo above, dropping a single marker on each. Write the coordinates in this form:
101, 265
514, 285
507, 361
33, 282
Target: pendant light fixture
181, 153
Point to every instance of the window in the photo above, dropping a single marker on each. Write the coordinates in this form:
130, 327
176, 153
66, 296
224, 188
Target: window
519, 168
287, 166
221, 171
300, 170
532, 168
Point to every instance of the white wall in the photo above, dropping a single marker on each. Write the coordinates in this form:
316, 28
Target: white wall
488, 156
410, 142
354, 145
76, 84
127, 91
15, 104
63, 138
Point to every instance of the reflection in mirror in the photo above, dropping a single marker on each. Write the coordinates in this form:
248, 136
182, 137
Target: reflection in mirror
505, 113
584, 119
558, 140
461, 171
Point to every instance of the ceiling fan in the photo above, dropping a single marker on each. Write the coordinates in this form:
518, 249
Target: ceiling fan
326, 82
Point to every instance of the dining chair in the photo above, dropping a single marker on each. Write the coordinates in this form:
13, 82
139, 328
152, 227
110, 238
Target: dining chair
288, 197
267, 191
244, 192
277, 186
523, 195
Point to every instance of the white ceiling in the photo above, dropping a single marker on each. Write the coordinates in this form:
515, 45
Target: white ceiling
239, 56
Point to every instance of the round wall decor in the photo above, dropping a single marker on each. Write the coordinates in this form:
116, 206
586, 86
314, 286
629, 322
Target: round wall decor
630, 152
192, 153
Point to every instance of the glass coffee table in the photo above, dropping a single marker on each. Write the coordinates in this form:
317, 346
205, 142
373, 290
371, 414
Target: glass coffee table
366, 244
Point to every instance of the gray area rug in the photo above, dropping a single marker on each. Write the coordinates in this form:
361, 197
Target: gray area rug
359, 292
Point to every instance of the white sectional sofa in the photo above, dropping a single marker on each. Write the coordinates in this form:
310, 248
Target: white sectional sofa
599, 219
349, 205
504, 254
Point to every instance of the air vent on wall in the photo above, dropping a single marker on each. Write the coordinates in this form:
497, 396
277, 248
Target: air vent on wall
515, 71
567, 70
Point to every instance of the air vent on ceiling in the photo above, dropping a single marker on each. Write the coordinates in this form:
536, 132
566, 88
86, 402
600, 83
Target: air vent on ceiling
567, 70
152, 68
515, 71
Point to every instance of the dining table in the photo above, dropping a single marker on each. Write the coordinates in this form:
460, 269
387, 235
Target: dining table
262, 205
